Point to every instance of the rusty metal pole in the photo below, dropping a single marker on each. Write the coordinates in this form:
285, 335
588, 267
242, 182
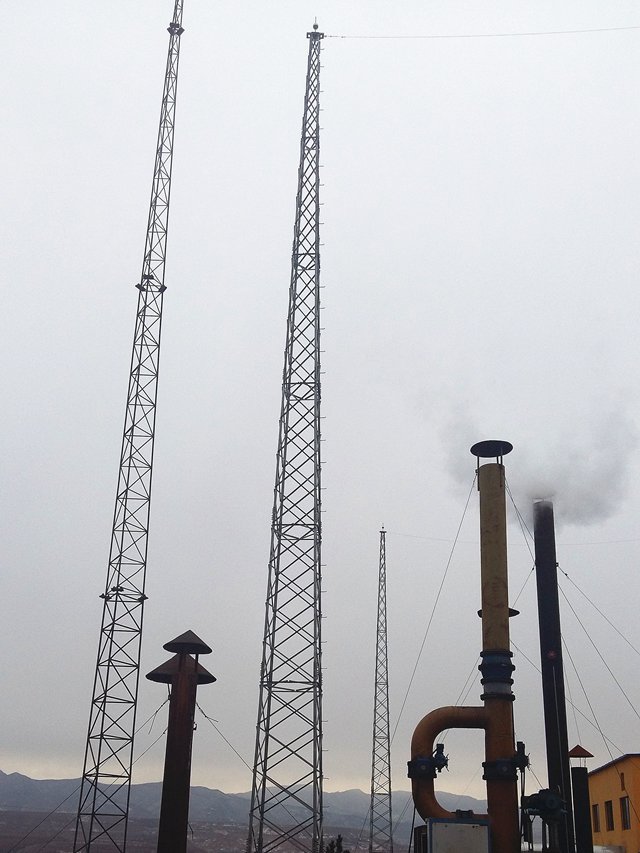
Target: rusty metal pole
496, 667
183, 673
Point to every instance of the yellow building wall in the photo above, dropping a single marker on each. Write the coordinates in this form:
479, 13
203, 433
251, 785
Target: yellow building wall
611, 783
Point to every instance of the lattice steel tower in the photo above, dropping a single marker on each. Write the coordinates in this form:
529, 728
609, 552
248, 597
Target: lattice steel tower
286, 800
380, 824
104, 796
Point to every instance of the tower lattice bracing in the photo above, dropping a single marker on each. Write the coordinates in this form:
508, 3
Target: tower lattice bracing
286, 801
104, 795
380, 824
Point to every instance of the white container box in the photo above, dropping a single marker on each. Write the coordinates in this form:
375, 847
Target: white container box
443, 836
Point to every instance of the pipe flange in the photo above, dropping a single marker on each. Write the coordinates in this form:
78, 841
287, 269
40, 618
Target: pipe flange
496, 666
428, 767
497, 694
500, 770
421, 768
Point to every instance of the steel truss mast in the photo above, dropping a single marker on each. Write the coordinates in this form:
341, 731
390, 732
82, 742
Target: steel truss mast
104, 796
380, 825
286, 801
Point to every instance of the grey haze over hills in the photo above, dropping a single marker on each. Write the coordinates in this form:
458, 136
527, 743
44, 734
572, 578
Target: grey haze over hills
346, 809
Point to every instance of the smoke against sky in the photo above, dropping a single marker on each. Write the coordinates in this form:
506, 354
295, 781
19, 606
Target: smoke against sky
579, 456
480, 267
586, 470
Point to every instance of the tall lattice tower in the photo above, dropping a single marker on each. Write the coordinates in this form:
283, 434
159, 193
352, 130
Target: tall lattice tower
380, 825
106, 780
286, 800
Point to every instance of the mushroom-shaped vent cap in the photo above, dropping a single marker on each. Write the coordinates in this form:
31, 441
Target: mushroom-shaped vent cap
167, 670
492, 449
189, 644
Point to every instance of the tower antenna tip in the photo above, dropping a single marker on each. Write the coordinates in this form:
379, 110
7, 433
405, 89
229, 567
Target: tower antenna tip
315, 24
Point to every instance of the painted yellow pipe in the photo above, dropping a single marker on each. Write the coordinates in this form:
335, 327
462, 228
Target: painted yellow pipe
496, 716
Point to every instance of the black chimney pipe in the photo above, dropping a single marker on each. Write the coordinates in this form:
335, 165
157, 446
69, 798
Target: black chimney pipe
555, 710
582, 814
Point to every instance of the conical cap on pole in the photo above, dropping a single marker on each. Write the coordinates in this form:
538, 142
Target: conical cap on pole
167, 670
188, 643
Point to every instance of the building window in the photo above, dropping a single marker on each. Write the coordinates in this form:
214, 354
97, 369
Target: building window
622, 788
595, 817
625, 813
608, 815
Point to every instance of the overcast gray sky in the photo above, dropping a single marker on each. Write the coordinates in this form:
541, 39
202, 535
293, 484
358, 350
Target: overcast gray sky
481, 264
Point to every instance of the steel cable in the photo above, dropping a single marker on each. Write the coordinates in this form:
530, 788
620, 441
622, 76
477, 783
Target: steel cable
433, 610
77, 788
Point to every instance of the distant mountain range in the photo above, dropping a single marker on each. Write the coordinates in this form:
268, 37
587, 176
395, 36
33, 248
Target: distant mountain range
346, 809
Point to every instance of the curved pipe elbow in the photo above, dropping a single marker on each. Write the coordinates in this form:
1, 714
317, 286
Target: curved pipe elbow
422, 746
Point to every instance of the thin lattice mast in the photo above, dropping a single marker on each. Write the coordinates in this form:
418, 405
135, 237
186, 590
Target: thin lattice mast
380, 823
104, 795
286, 800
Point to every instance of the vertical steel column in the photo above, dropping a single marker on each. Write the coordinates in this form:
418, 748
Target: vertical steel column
555, 708
380, 821
286, 799
104, 796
